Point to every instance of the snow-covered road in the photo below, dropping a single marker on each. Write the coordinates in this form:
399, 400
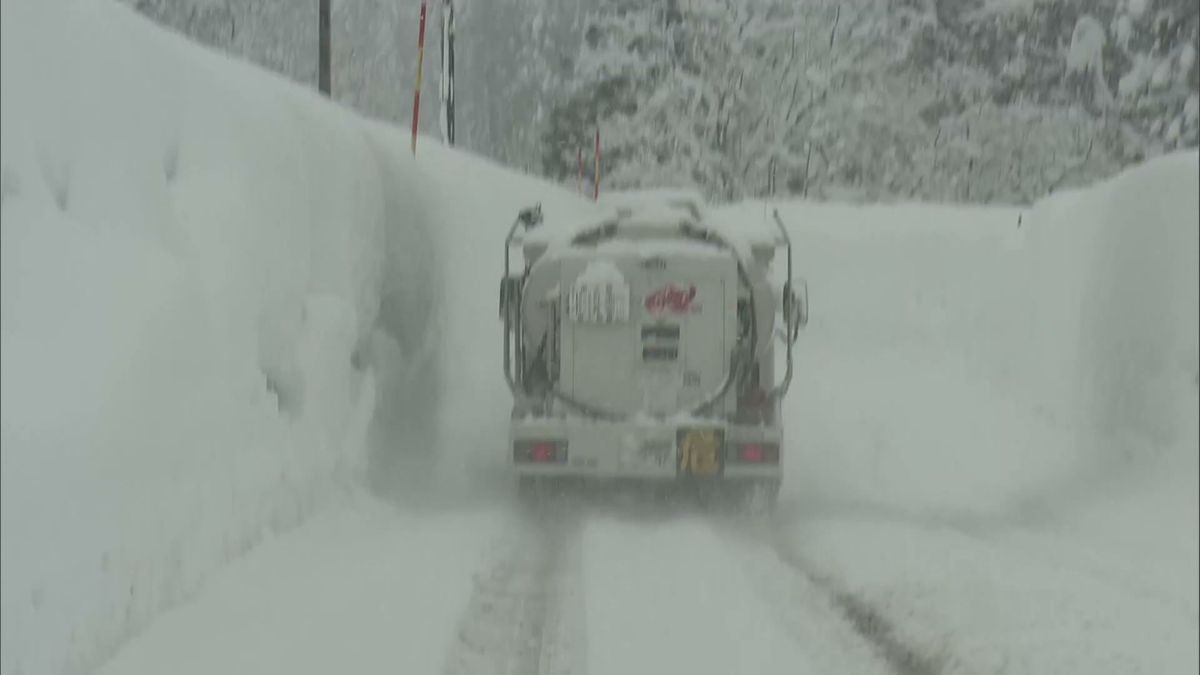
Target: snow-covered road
638, 587
641, 589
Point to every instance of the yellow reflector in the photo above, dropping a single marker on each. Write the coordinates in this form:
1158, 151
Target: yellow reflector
700, 452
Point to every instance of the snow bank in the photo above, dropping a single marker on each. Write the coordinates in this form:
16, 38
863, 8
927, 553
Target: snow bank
1100, 302
471, 204
193, 261
964, 361
1105, 294
1140, 313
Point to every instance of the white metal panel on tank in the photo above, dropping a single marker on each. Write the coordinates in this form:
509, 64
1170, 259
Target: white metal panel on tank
664, 351
692, 297
597, 341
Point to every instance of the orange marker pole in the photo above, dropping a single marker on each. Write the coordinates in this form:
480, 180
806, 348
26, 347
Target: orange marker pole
416, 115
596, 186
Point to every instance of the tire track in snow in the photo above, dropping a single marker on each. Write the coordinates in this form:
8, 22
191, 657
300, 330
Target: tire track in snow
868, 621
862, 619
525, 615
678, 592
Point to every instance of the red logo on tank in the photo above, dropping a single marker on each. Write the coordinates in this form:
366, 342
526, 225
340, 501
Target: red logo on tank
670, 298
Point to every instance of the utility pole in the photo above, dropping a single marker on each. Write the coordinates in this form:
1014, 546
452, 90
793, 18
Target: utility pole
323, 76
447, 82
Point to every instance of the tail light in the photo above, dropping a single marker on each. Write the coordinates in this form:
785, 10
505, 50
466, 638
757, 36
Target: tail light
757, 453
540, 451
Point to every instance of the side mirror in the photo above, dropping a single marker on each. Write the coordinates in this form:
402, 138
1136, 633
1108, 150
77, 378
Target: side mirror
510, 296
795, 307
530, 217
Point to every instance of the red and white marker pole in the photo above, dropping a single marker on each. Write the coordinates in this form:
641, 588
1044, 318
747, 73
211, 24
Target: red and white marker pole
596, 185
416, 115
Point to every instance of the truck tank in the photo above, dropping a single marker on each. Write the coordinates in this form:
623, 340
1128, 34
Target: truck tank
627, 337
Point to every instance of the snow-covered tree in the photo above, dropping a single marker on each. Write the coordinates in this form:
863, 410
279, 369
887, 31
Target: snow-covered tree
974, 100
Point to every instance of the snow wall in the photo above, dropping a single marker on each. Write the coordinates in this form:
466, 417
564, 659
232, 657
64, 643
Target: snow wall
979, 362
196, 281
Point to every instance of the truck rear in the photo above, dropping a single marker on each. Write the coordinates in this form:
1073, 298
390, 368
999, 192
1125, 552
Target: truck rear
643, 347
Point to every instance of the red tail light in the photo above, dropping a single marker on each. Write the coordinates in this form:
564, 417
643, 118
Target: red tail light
758, 453
540, 451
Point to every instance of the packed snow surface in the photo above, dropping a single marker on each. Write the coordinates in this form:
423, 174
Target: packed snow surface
228, 306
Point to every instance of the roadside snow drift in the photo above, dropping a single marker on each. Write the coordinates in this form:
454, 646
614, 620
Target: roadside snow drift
193, 269
964, 361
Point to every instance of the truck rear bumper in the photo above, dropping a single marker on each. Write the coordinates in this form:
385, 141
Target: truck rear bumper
645, 449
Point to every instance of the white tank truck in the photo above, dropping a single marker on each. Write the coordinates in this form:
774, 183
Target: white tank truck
642, 347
